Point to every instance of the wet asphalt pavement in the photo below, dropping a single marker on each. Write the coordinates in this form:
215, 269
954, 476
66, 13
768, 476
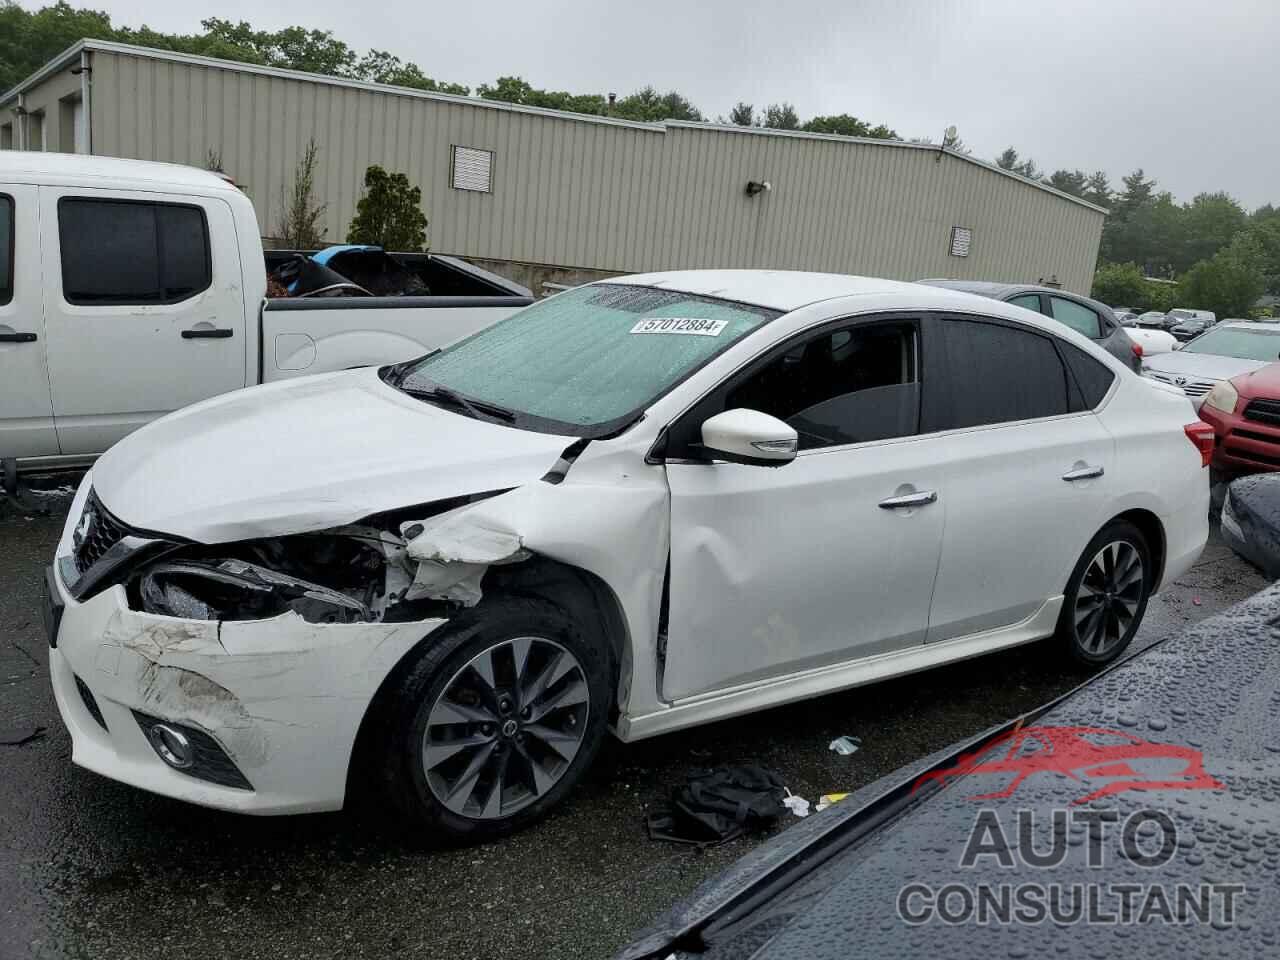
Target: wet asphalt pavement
92, 868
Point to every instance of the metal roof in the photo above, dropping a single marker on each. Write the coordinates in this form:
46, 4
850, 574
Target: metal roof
108, 46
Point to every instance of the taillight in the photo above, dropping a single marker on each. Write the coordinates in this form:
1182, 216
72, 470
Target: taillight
1201, 436
1137, 350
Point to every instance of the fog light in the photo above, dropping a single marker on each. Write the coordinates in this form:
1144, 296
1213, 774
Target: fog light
172, 745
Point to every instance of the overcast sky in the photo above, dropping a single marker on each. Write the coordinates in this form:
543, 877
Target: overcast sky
1187, 89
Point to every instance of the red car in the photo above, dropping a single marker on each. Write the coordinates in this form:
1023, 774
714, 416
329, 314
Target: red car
1245, 415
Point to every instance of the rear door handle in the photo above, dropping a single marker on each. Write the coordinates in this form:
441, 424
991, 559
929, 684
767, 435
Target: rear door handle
1083, 473
918, 499
17, 338
212, 333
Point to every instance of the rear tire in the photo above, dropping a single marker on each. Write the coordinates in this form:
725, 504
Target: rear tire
496, 721
1106, 595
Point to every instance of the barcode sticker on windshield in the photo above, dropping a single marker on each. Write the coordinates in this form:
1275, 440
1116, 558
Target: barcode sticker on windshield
690, 326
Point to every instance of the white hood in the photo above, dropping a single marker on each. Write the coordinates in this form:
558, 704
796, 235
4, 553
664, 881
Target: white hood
305, 455
1203, 366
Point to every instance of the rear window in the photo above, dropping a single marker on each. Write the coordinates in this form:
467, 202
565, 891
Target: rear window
6, 248
1093, 378
125, 252
1076, 316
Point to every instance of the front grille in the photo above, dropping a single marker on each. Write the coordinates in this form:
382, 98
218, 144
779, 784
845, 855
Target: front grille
1243, 454
90, 703
1255, 435
1192, 388
96, 533
1263, 411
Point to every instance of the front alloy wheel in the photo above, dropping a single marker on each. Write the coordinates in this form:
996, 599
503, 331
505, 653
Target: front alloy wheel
506, 728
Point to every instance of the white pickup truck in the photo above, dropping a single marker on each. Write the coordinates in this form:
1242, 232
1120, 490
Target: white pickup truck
129, 289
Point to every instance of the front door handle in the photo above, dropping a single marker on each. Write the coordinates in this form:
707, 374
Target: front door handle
919, 499
1083, 473
17, 338
208, 333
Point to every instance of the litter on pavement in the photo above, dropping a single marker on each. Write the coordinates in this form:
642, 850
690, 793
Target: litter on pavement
714, 806
844, 746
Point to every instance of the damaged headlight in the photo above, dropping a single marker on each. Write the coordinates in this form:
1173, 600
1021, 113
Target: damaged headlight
235, 590
353, 575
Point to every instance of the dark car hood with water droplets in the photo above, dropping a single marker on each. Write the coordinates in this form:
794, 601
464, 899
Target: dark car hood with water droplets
1190, 728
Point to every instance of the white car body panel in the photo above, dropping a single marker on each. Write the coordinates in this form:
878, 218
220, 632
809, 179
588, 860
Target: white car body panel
1152, 341
311, 454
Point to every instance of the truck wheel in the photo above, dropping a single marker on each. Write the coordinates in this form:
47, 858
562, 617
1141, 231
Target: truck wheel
1107, 594
497, 720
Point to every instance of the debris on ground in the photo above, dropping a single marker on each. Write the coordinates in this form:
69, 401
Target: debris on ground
845, 746
714, 806
796, 804
828, 800
16, 737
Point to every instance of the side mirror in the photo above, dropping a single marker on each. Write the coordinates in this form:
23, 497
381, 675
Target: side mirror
749, 436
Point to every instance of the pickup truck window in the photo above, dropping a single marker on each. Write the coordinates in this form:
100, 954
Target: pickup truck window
585, 362
126, 252
6, 248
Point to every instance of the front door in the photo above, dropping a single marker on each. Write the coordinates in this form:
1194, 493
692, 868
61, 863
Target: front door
144, 308
776, 570
26, 410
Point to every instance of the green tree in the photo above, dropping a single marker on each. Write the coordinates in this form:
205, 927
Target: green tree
781, 116
647, 104
1210, 222
1228, 284
742, 114
379, 66
1097, 189
300, 214
1026, 167
1073, 182
845, 125
389, 214
517, 90
1120, 284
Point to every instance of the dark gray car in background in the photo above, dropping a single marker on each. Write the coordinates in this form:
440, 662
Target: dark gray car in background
1089, 317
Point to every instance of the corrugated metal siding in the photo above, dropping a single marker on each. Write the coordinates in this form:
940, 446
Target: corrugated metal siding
600, 196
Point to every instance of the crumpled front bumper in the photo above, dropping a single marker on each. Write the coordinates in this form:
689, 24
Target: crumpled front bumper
282, 697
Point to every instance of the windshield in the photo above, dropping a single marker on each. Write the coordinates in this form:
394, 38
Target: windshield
1239, 343
587, 361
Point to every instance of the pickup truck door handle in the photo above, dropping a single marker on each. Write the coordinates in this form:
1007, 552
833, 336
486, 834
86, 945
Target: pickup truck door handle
1083, 473
17, 338
919, 499
210, 333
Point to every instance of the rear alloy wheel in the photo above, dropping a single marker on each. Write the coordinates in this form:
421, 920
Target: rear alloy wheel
505, 728
496, 719
1107, 594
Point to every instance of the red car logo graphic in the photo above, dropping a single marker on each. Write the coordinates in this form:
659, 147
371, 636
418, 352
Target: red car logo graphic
1083, 754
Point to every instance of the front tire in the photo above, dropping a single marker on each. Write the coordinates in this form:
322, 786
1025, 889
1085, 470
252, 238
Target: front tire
1107, 595
497, 720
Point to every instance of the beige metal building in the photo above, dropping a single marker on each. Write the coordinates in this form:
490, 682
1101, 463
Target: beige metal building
527, 190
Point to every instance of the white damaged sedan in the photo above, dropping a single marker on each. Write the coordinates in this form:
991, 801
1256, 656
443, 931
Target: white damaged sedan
641, 505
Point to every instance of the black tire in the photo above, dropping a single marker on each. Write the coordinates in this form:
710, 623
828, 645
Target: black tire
445, 666
1101, 611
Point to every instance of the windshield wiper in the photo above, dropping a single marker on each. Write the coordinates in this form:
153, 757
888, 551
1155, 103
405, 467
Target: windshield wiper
476, 408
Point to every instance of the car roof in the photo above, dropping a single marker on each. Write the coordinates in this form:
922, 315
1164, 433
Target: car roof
30, 166
784, 290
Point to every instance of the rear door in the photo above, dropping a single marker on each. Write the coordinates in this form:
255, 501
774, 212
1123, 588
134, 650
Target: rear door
1028, 475
26, 409
144, 308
